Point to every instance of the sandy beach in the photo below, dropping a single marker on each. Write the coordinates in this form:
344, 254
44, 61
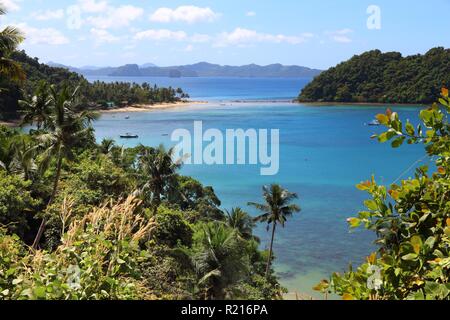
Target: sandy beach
152, 107
13, 123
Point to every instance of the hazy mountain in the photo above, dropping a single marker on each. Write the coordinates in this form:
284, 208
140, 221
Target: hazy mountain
201, 69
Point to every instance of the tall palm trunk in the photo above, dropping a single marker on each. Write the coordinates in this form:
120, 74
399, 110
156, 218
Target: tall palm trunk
52, 198
269, 260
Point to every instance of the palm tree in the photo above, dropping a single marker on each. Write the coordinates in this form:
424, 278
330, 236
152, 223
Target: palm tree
23, 157
10, 38
36, 110
219, 263
65, 128
158, 167
276, 209
241, 221
106, 146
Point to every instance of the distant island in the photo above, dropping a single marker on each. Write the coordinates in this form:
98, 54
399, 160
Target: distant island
376, 77
202, 69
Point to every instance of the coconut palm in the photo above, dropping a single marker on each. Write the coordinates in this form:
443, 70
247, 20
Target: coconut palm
159, 169
65, 127
10, 38
276, 209
219, 263
240, 221
106, 146
23, 157
36, 110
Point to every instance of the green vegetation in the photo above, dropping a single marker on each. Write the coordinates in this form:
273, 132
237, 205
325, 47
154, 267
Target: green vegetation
81, 220
383, 78
22, 77
411, 220
116, 223
97, 95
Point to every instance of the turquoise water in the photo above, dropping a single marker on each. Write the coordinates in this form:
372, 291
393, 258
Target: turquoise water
324, 153
216, 89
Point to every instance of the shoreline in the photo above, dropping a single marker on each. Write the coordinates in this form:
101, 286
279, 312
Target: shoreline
363, 104
153, 107
10, 124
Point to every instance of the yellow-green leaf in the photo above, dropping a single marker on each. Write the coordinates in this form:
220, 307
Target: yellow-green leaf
347, 296
416, 242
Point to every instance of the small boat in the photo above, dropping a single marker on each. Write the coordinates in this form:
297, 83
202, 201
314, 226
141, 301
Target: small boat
127, 117
129, 136
374, 123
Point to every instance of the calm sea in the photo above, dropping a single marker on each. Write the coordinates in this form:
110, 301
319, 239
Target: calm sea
216, 89
324, 153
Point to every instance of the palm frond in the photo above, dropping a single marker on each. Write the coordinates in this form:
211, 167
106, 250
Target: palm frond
10, 38
11, 69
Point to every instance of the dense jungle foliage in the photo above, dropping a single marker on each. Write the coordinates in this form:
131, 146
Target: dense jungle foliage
383, 78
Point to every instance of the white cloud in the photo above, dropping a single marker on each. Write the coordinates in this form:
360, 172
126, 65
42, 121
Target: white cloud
49, 15
116, 17
251, 14
341, 36
93, 6
243, 37
48, 36
102, 36
188, 14
161, 34
12, 5
189, 48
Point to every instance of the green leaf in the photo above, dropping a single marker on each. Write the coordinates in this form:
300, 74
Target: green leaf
398, 142
39, 292
429, 243
416, 242
371, 205
410, 257
410, 128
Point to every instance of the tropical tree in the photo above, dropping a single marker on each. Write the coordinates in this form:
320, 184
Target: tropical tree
36, 110
10, 38
159, 170
65, 127
23, 152
219, 261
106, 146
276, 210
242, 222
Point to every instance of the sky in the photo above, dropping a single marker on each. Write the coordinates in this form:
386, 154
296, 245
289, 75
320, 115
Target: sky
312, 33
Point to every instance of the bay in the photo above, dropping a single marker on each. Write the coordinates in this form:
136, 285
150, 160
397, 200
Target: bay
324, 152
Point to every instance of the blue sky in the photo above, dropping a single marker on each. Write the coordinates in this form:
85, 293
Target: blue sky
312, 33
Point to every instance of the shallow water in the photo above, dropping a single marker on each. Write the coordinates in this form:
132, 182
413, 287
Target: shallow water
324, 153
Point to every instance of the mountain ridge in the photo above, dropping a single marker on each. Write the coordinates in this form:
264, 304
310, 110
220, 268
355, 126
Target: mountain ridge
200, 69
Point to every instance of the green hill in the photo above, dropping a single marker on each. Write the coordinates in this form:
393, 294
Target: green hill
383, 78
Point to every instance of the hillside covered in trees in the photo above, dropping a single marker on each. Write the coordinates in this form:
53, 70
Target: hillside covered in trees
383, 78
95, 95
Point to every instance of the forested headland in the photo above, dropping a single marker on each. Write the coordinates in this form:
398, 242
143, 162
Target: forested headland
376, 77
